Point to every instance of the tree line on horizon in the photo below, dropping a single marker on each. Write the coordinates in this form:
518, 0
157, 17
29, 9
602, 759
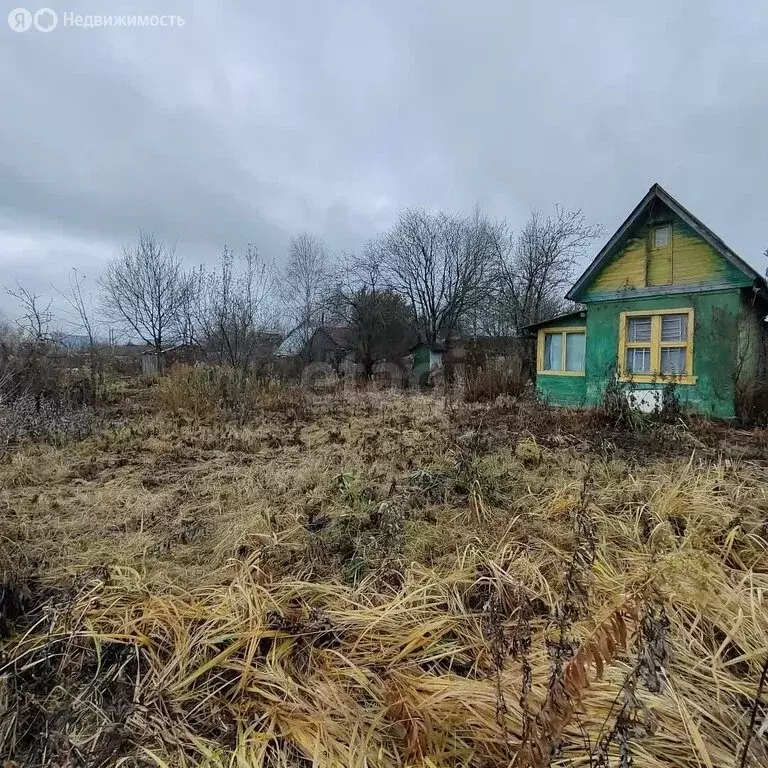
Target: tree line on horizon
431, 277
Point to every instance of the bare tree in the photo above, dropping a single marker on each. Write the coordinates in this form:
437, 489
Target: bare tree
440, 263
192, 306
235, 302
10, 338
82, 316
35, 322
304, 285
26, 364
377, 317
536, 267
147, 288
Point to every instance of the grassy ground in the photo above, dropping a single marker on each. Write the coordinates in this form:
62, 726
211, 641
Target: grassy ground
383, 579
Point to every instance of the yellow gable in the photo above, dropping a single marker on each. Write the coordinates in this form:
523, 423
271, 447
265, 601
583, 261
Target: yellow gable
664, 251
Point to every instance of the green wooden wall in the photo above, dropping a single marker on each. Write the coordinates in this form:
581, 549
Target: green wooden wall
715, 341
562, 390
726, 347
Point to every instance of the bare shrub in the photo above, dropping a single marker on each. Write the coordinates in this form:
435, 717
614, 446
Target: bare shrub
82, 317
377, 319
27, 364
488, 383
222, 391
34, 417
620, 407
752, 403
304, 284
234, 309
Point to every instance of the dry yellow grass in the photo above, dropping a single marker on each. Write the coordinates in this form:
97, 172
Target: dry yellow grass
383, 580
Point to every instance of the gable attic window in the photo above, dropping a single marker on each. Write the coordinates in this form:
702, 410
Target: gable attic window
662, 236
561, 351
659, 258
656, 345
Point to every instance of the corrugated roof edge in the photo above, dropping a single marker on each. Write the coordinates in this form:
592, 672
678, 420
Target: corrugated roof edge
556, 318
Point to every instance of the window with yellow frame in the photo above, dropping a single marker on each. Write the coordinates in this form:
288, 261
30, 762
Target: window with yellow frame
656, 345
561, 351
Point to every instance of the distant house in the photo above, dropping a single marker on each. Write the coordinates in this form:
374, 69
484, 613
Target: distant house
333, 345
265, 347
261, 351
313, 343
665, 300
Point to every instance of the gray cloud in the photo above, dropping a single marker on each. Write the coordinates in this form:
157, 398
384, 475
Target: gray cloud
258, 120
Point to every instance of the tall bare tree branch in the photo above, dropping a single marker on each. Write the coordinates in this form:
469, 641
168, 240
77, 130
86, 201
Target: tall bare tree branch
147, 288
304, 285
537, 266
82, 317
441, 264
35, 322
235, 303
377, 318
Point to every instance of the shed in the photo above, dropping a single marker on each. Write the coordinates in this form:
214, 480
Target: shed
426, 358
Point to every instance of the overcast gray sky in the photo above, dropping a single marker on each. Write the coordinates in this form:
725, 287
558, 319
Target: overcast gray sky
256, 120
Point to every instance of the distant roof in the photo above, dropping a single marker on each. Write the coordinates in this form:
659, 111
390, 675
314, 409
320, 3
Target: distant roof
339, 334
657, 192
268, 343
292, 344
171, 348
486, 339
565, 316
436, 347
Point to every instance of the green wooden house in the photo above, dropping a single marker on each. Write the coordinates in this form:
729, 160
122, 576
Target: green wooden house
665, 300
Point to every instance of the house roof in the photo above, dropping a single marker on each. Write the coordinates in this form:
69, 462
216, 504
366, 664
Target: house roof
557, 318
172, 348
267, 344
341, 335
657, 192
436, 347
478, 340
292, 343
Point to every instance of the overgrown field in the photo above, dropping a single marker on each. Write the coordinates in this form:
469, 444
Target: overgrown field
382, 579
